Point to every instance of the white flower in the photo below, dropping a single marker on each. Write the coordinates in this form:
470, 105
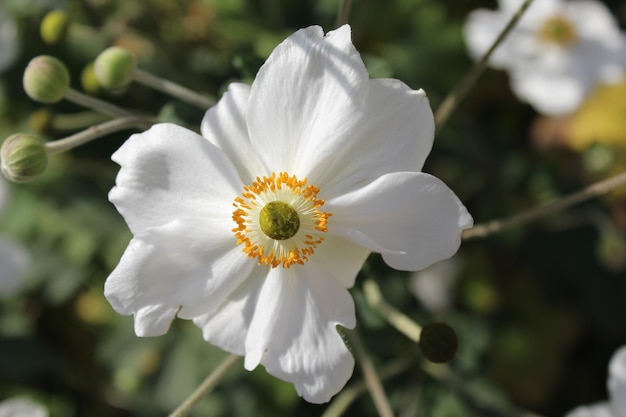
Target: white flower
21, 407
559, 51
433, 286
256, 229
8, 40
616, 406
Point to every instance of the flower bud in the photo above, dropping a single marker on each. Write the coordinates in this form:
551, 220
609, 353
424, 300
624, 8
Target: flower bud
114, 68
54, 27
46, 79
22, 158
438, 342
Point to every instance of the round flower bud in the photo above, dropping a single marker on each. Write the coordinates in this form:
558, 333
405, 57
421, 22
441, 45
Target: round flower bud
22, 158
54, 27
114, 68
438, 342
46, 79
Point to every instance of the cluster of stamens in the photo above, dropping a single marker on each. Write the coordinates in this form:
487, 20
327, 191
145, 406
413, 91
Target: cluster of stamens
558, 30
266, 226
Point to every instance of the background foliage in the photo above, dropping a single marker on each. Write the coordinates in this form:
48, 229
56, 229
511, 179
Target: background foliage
538, 311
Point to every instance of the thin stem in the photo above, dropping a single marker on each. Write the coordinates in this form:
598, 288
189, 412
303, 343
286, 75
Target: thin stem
344, 12
206, 387
173, 89
481, 401
396, 318
96, 104
94, 132
77, 121
372, 380
342, 401
594, 190
454, 98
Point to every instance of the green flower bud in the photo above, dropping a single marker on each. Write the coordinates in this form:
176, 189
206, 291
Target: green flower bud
54, 27
89, 81
22, 158
438, 342
46, 79
114, 68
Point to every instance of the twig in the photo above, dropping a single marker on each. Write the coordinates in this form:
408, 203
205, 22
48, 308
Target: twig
95, 132
173, 89
396, 318
344, 12
206, 387
342, 401
531, 215
453, 99
372, 380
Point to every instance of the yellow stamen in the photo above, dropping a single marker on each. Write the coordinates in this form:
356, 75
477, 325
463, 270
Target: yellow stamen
558, 30
261, 241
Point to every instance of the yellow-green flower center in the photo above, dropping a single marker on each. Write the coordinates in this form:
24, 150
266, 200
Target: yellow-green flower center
558, 30
279, 220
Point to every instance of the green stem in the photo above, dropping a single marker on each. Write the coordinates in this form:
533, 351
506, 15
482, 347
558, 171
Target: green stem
172, 89
594, 190
372, 380
96, 104
344, 12
95, 132
206, 387
449, 104
397, 319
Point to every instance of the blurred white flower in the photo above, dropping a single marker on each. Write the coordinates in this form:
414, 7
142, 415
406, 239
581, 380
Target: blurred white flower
257, 229
559, 51
21, 407
8, 40
616, 405
433, 286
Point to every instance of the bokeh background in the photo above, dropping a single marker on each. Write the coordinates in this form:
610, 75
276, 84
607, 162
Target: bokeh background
538, 310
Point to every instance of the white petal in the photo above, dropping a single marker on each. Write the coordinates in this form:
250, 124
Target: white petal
186, 265
228, 325
617, 381
225, 126
481, 29
593, 20
14, 261
343, 258
293, 332
395, 133
21, 407
595, 410
308, 91
414, 216
169, 172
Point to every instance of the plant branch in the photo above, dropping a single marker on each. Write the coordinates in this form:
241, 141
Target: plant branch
206, 387
95, 104
592, 191
344, 12
172, 89
95, 132
372, 380
449, 104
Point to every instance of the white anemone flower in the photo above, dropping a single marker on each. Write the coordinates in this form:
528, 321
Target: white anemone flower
559, 51
256, 229
8, 40
616, 406
21, 407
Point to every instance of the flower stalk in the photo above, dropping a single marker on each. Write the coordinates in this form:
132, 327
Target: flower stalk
344, 12
396, 318
95, 132
95, 104
592, 191
172, 89
372, 380
452, 100
206, 387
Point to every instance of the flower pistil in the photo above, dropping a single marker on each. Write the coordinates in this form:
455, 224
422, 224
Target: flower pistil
279, 221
